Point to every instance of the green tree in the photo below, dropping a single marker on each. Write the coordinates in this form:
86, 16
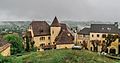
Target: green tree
109, 39
95, 44
16, 43
27, 43
32, 46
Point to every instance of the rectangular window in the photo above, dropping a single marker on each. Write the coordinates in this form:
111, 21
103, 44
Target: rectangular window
48, 43
42, 38
42, 44
48, 38
97, 35
92, 35
83, 35
103, 41
103, 36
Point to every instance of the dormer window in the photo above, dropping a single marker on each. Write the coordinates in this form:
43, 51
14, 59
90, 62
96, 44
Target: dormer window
108, 28
68, 34
103, 28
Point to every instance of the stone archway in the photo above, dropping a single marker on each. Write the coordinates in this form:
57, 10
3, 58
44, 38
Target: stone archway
113, 50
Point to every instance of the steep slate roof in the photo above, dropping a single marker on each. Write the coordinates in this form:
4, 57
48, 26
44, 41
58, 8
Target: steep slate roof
63, 26
55, 23
40, 28
84, 31
3, 45
65, 37
104, 28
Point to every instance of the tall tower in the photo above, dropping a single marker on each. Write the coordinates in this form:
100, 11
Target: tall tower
54, 29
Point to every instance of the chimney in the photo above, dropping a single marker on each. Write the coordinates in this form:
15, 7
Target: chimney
116, 24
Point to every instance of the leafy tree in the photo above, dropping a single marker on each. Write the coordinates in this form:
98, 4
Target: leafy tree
95, 44
27, 43
85, 45
16, 43
109, 39
32, 46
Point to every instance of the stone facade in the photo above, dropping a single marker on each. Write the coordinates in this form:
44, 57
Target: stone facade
62, 46
98, 33
46, 35
54, 33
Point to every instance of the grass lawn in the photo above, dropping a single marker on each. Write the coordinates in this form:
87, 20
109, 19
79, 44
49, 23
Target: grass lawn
62, 56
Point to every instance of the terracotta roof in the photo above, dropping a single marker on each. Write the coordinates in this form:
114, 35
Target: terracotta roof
40, 28
55, 23
84, 31
3, 45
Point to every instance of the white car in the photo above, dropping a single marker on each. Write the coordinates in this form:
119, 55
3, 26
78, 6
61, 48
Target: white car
77, 47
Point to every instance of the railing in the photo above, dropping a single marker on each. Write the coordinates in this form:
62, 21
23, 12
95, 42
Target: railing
113, 57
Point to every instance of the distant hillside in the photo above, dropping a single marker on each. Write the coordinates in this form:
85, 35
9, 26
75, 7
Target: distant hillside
82, 24
79, 24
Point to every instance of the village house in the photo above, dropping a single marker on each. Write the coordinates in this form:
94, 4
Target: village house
56, 35
99, 32
95, 36
4, 48
83, 38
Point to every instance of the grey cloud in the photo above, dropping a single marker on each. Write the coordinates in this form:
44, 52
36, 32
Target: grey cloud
64, 9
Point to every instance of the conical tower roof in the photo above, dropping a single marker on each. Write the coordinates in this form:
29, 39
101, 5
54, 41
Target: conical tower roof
55, 23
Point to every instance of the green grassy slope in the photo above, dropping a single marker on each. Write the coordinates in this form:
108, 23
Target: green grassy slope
62, 56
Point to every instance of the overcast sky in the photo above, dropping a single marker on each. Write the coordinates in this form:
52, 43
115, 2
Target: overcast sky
104, 10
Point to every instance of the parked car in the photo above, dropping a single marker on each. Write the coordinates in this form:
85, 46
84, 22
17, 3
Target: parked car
77, 47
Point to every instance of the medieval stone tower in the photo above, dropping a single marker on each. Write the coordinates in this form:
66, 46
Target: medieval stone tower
54, 30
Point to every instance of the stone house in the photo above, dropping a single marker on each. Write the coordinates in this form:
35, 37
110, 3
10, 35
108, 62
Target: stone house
55, 35
83, 37
95, 37
98, 33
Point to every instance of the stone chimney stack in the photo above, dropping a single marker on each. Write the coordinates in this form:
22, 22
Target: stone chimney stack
116, 24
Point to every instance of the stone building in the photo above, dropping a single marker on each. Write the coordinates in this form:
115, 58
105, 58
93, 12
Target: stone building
83, 37
55, 35
99, 32
95, 37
